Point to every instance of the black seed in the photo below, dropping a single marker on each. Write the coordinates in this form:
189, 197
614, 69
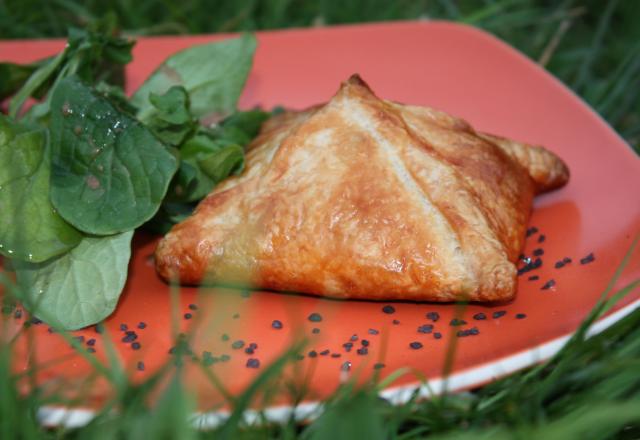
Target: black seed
395, 322
253, 363
567, 260
520, 316
335, 355
364, 343
324, 352
468, 332
17, 314
455, 322
499, 314
559, 264
188, 316
224, 337
345, 366
123, 327
253, 345
249, 350
542, 238
538, 252
437, 335
237, 344
434, 316
91, 342
378, 366
388, 309
415, 345
549, 284
426, 328
142, 325
534, 278
312, 354
521, 257
353, 338
276, 324
136, 346
348, 346
315, 317
373, 331
480, 316
315, 330
140, 366
193, 307
225, 358
588, 259
532, 230
363, 351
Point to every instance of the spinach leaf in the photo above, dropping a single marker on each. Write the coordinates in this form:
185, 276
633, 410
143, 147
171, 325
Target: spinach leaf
81, 287
30, 229
171, 122
168, 215
212, 74
109, 173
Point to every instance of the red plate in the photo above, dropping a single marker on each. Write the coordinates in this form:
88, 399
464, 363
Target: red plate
458, 69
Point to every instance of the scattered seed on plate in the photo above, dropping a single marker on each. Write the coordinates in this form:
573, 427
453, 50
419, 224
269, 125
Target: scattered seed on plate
567, 260
142, 325
236, 345
480, 316
437, 335
588, 259
335, 355
395, 322
140, 366
426, 329
91, 342
388, 309
455, 322
499, 314
549, 284
532, 265
542, 238
378, 366
365, 343
315, 330
353, 338
136, 346
249, 350
276, 324
124, 327
253, 363
415, 345
532, 230
346, 366
520, 315
534, 278
325, 352
538, 252
193, 307
188, 316
312, 354
129, 337
315, 317
468, 332
348, 346
373, 331
363, 351
434, 316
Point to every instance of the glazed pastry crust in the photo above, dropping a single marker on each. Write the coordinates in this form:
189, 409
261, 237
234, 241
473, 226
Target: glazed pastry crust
370, 199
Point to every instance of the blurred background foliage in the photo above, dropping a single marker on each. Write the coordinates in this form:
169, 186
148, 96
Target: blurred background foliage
593, 46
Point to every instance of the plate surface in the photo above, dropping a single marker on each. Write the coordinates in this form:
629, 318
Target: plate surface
455, 68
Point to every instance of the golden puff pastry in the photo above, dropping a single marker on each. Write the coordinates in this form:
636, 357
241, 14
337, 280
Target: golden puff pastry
370, 199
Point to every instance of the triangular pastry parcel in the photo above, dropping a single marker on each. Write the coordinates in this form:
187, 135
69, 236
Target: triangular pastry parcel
366, 198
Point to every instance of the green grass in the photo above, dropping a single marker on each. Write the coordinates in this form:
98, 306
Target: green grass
591, 45
590, 390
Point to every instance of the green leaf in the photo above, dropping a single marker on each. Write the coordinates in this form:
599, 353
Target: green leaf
168, 215
171, 122
81, 287
242, 127
109, 173
30, 229
12, 76
213, 75
223, 163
